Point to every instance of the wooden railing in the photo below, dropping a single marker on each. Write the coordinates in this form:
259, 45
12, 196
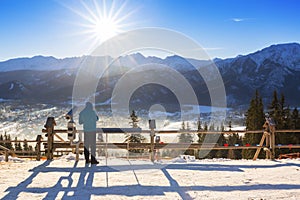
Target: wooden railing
55, 142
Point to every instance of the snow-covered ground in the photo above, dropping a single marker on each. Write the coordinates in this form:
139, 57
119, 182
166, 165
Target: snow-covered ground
117, 178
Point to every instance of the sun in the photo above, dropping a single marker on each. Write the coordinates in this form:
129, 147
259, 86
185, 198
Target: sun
102, 20
106, 28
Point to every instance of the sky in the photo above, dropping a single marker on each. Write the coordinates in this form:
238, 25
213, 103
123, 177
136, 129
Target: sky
67, 28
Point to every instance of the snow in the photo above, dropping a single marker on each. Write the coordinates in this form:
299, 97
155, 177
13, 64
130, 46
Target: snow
11, 86
117, 178
11, 159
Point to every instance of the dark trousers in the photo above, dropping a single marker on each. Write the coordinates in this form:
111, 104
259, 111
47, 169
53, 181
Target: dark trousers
90, 144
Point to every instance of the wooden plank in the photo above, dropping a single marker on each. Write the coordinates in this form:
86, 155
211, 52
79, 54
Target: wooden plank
4, 148
38, 146
260, 144
60, 138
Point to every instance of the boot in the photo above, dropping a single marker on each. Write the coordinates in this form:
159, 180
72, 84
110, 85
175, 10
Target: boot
86, 156
94, 161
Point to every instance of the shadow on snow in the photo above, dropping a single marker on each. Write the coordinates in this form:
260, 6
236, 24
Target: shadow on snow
85, 189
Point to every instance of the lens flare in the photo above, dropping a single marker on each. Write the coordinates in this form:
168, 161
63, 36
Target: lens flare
100, 21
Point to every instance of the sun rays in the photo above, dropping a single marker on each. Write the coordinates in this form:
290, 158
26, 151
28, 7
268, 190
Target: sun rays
101, 20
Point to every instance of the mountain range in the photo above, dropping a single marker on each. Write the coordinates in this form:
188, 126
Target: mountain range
50, 80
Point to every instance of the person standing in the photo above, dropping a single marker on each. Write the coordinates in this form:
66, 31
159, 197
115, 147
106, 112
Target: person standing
88, 118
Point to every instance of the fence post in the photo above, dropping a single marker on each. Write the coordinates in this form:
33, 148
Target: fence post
152, 126
50, 123
38, 147
6, 156
272, 145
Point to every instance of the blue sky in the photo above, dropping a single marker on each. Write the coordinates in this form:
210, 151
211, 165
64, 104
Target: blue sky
225, 28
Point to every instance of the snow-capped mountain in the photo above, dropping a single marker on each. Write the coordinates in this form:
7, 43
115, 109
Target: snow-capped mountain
47, 79
274, 68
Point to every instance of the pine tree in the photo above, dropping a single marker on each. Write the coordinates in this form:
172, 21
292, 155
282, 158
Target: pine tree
8, 143
5, 139
134, 138
282, 118
205, 127
295, 124
222, 126
25, 145
199, 126
276, 110
295, 120
221, 142
183, 125
254, 121
18, 146
186, 137
134, 119
229, 125
235, 139
201, 136
1, 139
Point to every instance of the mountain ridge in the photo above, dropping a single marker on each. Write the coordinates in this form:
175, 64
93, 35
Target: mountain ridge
276, 67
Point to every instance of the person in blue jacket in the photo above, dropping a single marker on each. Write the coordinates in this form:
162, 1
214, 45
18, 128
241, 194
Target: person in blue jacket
88, 118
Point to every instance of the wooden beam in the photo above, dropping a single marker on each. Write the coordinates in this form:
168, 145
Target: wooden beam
60, 138
260, 144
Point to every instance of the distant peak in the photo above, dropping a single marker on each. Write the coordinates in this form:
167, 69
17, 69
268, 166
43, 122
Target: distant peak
137, 55
284, 46
174, 57
43, 57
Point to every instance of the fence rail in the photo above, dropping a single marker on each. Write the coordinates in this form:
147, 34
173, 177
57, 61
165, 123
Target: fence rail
57, 146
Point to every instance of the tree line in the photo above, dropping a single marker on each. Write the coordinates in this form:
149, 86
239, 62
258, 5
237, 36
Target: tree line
18, 146
284, 117
282, 114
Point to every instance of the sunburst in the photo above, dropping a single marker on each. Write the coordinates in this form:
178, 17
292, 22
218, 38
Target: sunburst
100, 21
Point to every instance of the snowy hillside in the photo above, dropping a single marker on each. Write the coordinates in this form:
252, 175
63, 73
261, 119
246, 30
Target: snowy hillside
140, 179
287, 55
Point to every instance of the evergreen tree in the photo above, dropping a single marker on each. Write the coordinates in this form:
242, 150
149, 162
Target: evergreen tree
199, 126
183, 125
8, 143
134, 138
212, 139
229, 125
1, 139
25, 145
202, 153
287, 118
222, 126
295, 120
9, 146
221, 142
205, 127
186, 137
18, 146
5, 140
201, 136
235, 139
282, 118
295, 124
134, 119
276, 110
254, 121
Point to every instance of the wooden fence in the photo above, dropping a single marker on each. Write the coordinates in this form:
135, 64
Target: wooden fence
56, 143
